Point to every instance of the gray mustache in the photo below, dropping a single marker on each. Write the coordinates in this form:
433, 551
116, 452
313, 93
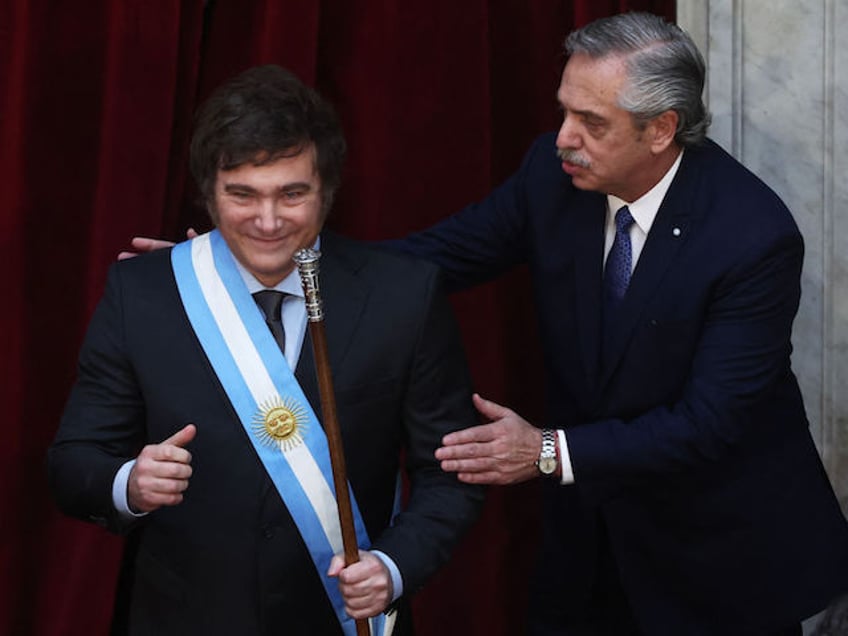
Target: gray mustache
572, 156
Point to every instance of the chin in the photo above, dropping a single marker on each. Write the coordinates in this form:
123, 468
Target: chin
582, 184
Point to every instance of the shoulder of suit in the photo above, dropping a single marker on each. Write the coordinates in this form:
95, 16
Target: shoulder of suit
731, 177
155, 258
371, 254
150, 266
729, 192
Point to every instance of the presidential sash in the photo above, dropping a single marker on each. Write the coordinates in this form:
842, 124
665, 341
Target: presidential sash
269, 402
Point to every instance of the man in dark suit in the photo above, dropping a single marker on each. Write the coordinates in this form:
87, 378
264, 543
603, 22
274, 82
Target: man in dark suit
684, 495
193, 430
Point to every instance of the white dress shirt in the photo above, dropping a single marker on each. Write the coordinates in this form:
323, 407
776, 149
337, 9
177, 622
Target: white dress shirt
644, 211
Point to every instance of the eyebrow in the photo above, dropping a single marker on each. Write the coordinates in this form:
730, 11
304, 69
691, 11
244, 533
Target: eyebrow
581, 112
590, 115
243, 187
298, 185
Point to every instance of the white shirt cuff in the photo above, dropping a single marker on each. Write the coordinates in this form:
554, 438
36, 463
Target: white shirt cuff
119, 492
564, 459
397, 581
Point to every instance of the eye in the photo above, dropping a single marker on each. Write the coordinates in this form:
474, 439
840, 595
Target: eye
241, 196
294, 196
594, 126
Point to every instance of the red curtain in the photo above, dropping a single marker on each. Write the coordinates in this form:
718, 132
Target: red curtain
439, 100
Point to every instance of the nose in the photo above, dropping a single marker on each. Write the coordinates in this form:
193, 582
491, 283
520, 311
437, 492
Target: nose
567, 136
268, 218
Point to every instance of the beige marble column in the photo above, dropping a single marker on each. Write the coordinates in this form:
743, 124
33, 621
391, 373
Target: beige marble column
778, 91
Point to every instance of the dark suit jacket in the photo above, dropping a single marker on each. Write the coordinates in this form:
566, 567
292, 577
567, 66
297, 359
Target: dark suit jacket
687, 431
229, 560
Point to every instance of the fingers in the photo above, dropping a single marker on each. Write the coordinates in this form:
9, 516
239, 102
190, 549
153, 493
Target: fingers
146, 493
474, 435
183, 436
491, 410
150, 487
366, 586
488, 478
484, 433
171, 450
164, 462
143, 244
336, 565
161, 472
146, 244
500, 453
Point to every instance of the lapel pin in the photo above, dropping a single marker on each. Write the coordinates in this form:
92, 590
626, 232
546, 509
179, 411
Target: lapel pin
676, 231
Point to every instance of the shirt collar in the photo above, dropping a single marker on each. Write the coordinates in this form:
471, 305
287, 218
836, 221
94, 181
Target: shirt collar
644, 209
289, 285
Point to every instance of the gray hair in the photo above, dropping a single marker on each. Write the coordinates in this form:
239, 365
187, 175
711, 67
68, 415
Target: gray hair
665, 70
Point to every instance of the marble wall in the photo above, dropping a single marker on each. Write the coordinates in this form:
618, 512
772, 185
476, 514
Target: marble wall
778, 91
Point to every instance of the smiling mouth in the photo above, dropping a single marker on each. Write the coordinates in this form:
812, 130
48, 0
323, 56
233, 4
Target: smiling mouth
269, 240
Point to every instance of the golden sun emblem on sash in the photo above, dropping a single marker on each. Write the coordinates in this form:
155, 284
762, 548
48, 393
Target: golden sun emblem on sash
280, 423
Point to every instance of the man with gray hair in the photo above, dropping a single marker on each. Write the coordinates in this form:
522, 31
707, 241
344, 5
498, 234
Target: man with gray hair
683, 492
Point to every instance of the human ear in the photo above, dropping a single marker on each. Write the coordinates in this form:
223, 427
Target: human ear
662, 130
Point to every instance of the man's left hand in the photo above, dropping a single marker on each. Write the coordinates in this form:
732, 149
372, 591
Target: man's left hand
366, 586
501, 452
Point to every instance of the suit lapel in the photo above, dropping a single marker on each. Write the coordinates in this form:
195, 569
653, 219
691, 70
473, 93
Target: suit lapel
668, 233
344, 297
588, 262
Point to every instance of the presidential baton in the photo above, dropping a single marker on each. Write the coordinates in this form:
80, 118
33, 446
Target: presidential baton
307, 261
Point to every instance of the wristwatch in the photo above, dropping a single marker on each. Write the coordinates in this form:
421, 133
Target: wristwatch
547, 462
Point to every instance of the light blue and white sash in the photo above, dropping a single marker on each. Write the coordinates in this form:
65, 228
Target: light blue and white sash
269, 402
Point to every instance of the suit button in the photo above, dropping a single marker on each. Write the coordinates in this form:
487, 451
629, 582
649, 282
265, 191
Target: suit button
268, 532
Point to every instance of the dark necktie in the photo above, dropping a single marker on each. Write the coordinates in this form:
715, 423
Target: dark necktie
271, 302
619, 263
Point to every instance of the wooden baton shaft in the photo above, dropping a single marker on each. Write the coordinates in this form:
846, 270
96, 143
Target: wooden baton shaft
337, 458
307, 261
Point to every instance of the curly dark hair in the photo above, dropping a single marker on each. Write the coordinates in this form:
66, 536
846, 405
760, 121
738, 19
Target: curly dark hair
259, 116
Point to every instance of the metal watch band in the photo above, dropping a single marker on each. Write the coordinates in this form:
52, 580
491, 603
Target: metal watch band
547, 462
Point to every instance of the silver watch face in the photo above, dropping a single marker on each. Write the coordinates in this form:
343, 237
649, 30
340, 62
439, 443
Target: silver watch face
547, 465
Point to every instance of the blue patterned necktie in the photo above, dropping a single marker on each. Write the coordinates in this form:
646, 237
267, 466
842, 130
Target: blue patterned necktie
271, 303
619, 263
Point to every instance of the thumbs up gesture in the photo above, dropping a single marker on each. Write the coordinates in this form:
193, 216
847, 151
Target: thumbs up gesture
161, 472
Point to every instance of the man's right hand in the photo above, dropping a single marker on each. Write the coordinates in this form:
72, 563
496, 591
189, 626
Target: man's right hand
502, 452
144, 244
161, 473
